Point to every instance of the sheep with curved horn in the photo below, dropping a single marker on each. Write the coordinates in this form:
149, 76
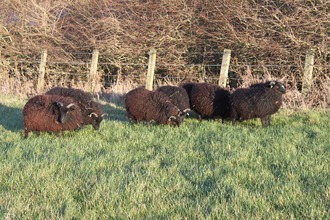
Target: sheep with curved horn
51, 113
85, 102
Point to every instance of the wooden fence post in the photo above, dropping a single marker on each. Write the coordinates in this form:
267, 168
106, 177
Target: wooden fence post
42, 70
224, 68
151, 69
93, 71
308, 73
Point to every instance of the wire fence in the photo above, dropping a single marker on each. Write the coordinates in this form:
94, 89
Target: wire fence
109, 74
80, 74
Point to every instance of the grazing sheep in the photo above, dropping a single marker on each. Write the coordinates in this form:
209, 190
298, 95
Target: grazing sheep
188, 87
92, 112
51, 113
178, 97
210, 100
144, 105
261, 100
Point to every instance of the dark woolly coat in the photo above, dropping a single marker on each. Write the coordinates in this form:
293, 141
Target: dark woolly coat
92, 111
188, 87
144, 105
42, 113
178, 96
261, 100
210, 100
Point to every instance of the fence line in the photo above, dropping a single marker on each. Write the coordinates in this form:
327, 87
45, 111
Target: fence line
224, 68
308, 72
93, 71
42, 71
151, 69
94, 78
178, 77
168, 64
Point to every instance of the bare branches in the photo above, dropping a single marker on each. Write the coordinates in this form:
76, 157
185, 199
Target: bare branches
257, 31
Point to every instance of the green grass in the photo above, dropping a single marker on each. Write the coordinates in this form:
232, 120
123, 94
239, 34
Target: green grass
202, 170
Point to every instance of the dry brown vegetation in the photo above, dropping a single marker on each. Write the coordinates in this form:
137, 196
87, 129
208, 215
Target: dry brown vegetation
268, 39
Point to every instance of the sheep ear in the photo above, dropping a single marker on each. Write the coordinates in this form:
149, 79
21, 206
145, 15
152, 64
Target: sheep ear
272, 84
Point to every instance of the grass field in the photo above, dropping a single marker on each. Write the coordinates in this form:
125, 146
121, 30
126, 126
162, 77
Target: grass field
204, 170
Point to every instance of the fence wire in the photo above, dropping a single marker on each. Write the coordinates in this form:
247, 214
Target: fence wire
126, 73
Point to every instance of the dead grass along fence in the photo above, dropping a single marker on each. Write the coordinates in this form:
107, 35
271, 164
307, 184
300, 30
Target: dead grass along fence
93, 76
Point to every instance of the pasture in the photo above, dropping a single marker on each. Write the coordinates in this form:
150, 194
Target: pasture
200, 170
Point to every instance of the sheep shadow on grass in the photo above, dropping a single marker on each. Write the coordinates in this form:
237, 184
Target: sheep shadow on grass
11, 118
114, 106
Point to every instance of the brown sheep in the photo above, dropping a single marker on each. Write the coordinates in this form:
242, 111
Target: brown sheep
51, 113
144, 105
178, 96
92, 111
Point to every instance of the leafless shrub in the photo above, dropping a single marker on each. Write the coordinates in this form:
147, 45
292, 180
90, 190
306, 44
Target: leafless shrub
268, 39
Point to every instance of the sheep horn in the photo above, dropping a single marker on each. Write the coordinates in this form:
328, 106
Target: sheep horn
172, 117
71, 105
272, 83
59, 104
103, 114
186, 110
93, 113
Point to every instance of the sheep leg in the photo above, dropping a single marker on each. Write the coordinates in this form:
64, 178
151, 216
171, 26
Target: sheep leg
131, 117
134, 121
233, 116
26, 134
265, 121
58, 134
200, 117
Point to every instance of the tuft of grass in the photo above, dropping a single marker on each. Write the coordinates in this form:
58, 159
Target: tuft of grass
200, 170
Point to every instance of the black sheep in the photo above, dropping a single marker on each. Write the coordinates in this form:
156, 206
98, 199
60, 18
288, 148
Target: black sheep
144, 105
51, 113
178, 96
210, 100
92, 112
261, 100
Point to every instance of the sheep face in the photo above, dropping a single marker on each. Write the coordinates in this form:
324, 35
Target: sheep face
96, 120
64, 111
176, 120
176, 116
280, 87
